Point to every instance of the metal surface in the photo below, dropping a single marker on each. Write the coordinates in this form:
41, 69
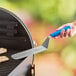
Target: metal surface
32, 51
14, 42
23, 68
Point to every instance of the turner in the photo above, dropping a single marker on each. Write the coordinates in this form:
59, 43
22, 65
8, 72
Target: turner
23, 67
32, 51
41, 48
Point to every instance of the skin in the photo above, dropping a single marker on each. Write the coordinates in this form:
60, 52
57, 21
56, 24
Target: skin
69, 32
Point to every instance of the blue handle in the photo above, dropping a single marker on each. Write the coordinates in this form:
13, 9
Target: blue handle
57, 33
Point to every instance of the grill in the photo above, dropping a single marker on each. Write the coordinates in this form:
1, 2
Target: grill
15, 37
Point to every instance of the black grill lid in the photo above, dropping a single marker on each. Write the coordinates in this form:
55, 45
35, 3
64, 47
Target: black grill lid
14, 36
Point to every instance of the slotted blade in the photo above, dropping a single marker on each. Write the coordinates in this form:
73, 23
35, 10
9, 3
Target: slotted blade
23, 68
35, 50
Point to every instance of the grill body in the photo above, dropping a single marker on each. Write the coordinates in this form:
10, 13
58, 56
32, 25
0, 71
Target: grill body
14, 36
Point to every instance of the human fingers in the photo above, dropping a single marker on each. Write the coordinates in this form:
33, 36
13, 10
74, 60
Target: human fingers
62, 33
67, 33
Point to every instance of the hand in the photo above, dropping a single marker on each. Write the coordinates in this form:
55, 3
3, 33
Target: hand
69, 32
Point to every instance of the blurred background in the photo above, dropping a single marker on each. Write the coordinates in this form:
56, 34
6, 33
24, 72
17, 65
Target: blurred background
43, 17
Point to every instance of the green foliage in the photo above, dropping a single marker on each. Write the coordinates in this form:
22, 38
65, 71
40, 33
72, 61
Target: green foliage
66, 73
68, 54
56, 12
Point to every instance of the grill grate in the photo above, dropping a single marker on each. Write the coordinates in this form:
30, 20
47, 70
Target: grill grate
8, 66
14, 36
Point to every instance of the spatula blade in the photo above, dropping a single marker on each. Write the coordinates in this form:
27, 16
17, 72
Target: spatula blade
32, 51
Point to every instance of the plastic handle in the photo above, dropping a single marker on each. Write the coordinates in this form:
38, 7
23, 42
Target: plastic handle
57, 33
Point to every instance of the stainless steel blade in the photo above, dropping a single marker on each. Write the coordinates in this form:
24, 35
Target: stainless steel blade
35, 50
28, 52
